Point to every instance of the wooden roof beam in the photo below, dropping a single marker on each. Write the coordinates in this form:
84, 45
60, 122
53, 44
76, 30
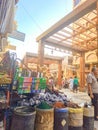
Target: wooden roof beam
86, 47
86, 28
89, 40
90, 46
74, 35
47, 62
79, 31
77, 45
70, 37
85, 42
73, 16
77, 42
64, 47
66, 42
89, 20
93, 43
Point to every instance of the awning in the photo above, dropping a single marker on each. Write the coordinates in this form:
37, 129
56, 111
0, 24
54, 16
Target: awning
76, 31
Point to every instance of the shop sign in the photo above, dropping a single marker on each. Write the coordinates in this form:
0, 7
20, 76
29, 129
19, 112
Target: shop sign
17, 35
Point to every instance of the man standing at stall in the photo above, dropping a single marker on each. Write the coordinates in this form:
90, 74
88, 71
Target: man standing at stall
93, 89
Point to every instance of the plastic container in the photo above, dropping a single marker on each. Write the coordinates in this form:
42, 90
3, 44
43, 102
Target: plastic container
23, 118
61, 119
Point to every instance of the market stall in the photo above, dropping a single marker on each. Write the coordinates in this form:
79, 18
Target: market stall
28, 101
27, 91
52, 66
79, 39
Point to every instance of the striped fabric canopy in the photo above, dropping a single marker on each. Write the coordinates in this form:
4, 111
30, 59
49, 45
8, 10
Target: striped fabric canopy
7, 16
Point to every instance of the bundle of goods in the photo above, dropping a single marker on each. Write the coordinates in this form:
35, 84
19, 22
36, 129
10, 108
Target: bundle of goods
7, 63
5, 78
75, 118
57, 101
47, 97
58, 105
7, 68
30, 85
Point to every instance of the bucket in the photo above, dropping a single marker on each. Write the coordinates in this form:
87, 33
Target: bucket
75, 118
23, 118
88, 118
61, 119
44, 119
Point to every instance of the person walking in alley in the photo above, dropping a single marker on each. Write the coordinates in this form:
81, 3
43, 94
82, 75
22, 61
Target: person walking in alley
71, 83
75, 84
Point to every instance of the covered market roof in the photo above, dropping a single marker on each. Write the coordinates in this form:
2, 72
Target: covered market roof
76, 31
31, 55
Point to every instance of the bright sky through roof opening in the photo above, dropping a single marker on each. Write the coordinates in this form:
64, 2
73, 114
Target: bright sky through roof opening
36, 16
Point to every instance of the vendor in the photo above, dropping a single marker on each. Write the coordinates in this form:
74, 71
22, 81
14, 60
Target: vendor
51, 81
93, 89
51, 89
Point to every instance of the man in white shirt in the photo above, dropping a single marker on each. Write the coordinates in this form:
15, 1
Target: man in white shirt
93, 89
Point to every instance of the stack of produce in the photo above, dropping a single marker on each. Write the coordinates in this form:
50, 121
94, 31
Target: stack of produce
59, 100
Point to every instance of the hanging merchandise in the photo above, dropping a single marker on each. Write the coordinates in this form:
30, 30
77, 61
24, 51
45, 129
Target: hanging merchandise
30, 84
6, 67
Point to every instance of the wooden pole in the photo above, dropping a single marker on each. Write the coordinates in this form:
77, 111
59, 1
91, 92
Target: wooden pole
82, 71
40, 55
59, 73
91, 66
97, 31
